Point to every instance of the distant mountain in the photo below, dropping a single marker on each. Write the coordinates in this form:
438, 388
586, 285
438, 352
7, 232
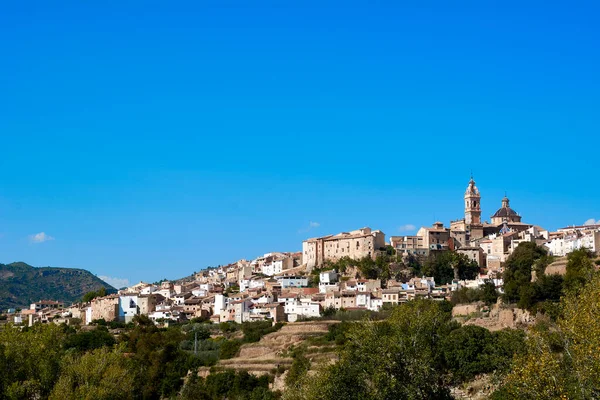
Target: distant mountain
22, 284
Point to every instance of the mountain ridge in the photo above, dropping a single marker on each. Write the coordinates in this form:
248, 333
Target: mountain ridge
21, 284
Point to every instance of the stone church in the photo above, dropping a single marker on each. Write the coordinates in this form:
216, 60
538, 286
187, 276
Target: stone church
471, 229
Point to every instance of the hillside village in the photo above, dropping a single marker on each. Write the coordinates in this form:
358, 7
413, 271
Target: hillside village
326, 275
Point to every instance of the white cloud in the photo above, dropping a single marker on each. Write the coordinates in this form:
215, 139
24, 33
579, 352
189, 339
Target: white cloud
407, 228
311, 225
592, 221
40, 238
115, 282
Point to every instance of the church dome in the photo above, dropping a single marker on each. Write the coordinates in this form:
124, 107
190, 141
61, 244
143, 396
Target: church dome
505, 212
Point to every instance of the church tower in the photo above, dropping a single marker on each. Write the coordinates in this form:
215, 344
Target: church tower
472, 205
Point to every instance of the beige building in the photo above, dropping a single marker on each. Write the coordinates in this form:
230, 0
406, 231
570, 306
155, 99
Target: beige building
106, 308
147, 303
405, 245
435, 237
473, 253
356, 245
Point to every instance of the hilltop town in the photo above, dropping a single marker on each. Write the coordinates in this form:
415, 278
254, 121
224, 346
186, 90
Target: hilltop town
358, 269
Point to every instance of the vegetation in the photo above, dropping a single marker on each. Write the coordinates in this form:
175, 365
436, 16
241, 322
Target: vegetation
89, 296
228, 385
253, 331
411, 351
445, 266
413, 354
544, 293
486, 293
22, 284
561, 360
49, 361
472, 350
299, 368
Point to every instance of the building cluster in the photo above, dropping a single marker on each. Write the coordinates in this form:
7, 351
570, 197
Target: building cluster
490, 243
280, 286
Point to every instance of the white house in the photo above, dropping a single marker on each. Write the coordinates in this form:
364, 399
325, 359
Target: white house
292, 281
328, 287
304, 308
128, 307
277, 266
363, 299
219, 304
149, 289
328, 277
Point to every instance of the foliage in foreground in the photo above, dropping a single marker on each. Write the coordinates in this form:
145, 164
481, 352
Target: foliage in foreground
145, 362
228, 384
403, 357
562, 359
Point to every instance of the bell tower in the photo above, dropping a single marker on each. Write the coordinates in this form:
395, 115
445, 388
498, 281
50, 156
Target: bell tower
472, 204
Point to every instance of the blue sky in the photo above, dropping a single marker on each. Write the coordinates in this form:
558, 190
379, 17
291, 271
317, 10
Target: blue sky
147, 140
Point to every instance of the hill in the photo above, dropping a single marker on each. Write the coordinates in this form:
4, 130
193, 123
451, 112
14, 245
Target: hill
21, 284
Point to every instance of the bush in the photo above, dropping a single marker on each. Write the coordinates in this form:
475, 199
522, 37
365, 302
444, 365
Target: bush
85, 341
472, 350
299, 368
254, 331
229, 348
228, 327
338, 332
116, 325
464, 352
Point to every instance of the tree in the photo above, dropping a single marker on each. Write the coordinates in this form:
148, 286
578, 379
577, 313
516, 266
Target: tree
30, 360
99, 374
489, 294
562, 359
444, 266
465, 352
517, 271
398, 358
84, 341
472, 350
580, 269
89, 296
299, 368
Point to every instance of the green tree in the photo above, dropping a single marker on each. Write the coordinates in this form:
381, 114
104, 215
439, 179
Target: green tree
30, 360
84, 341
489, 294
580, 269
299, 368
89, 296
398, 358
465, 352
472, 350
101, 374
562, 360
444, 266
517, 272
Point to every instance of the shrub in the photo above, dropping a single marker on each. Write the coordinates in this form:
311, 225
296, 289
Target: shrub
229, 348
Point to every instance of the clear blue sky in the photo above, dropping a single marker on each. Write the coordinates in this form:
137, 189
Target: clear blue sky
152, 139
